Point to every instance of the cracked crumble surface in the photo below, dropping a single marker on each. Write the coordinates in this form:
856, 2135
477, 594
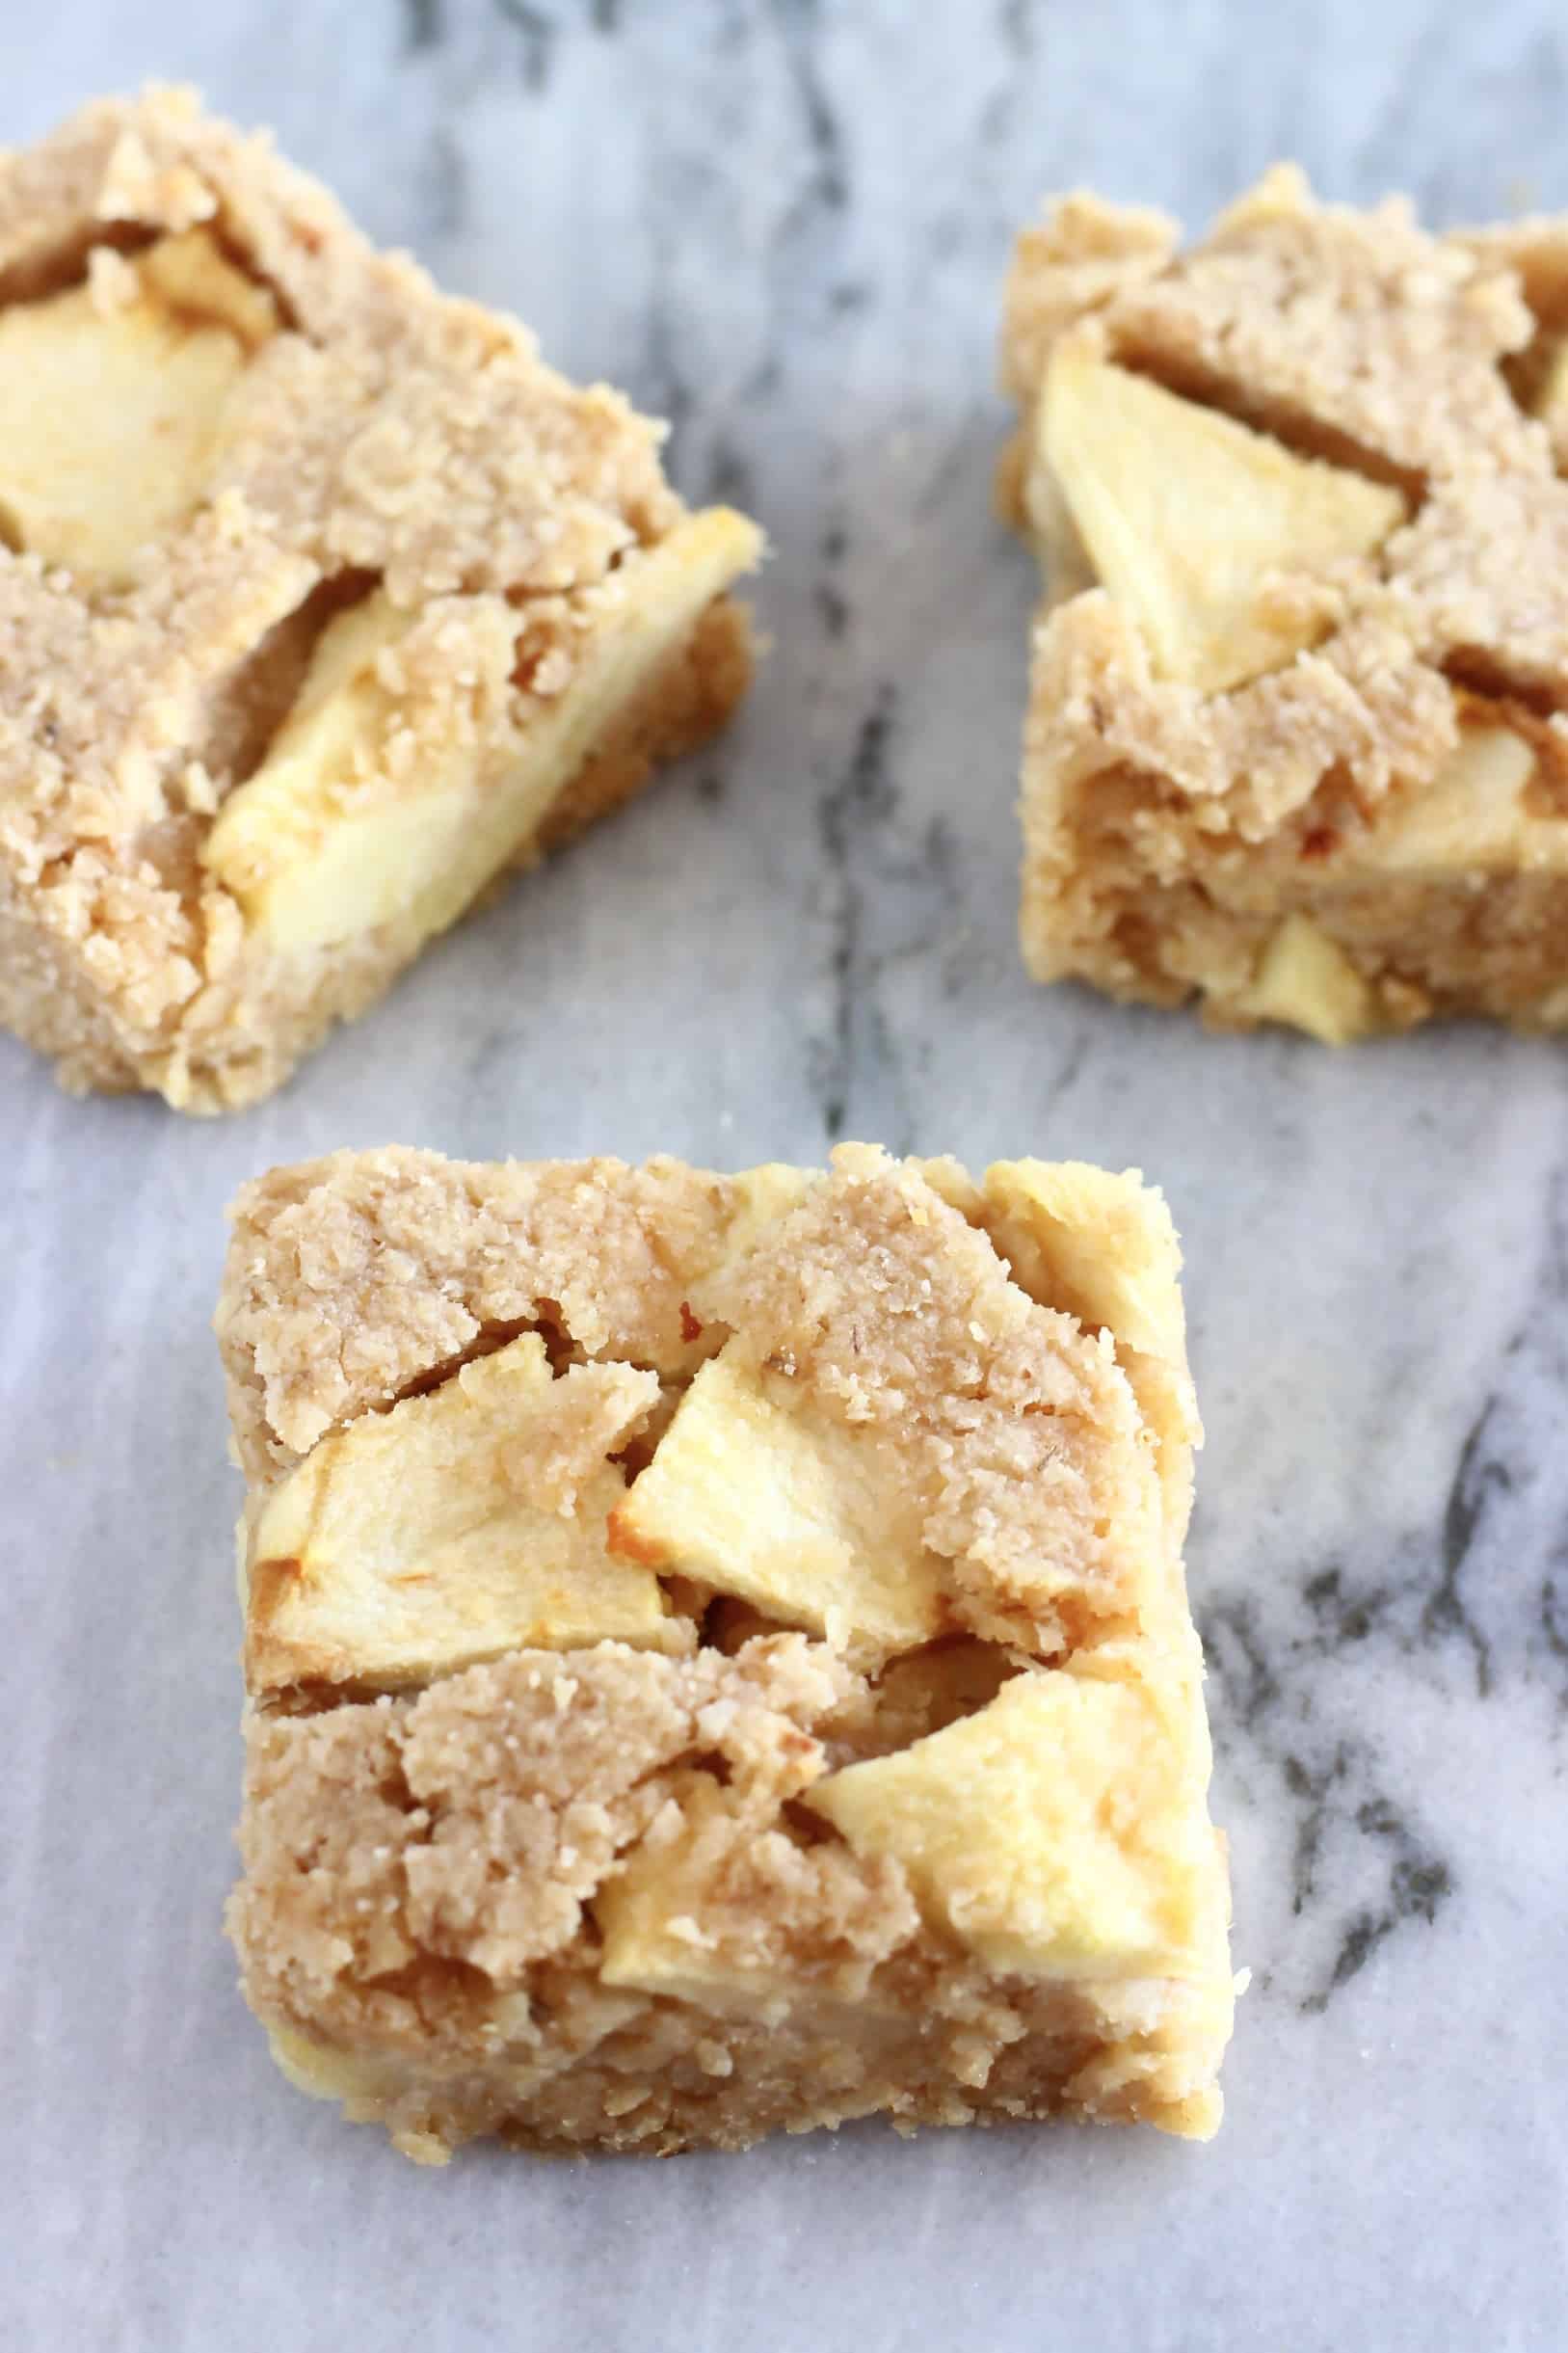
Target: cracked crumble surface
1169, 834
383, 436
442, 1886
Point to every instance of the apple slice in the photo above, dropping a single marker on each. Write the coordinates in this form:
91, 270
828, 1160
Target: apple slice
1100, 1247
110, 419
1185, 514
323, 845
810, 1521
1471, 819
459, 1525
1060, 1832
1307, 981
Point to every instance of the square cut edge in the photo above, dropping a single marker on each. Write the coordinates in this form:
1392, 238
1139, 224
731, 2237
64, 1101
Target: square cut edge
698, 1688
323, 604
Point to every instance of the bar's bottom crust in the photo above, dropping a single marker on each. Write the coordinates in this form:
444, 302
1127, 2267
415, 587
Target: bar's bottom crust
649, 2095
235, 1045
1408, 952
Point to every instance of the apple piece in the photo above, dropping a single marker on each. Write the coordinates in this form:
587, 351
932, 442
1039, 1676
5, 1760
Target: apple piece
811, 1522
1185, 515
649, 1917
1471, 818
322, 846
1307, 981
461, 1524
1100, 1247
111, 418
741, 1920
1060, 1832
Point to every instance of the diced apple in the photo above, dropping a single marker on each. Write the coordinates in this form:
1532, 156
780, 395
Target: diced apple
1185, 514
109, 418
1307, 981
1471, 818
1100, 1247
1060, 1832
650, 1918
694, 1916
459, 1525
809, 1521
322, 846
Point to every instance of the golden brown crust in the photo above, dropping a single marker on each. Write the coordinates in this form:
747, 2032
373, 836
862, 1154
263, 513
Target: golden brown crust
387, 436
1169, 833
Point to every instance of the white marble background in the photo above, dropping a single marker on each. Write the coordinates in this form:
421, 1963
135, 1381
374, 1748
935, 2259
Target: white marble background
782, 225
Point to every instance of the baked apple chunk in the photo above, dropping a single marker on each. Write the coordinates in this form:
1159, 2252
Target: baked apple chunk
1295, 745
717, 1649
324, 602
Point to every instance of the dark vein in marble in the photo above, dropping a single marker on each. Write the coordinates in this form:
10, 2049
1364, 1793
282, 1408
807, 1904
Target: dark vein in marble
827, 590
1235, 1650
1332, 1797
732, 476
1016, 23
424, 25
848, 816
1553, 1615
1481, 1581
1342, 1618
1073, 1068
1419, 1883
1478, 1475
537, 35
797, 22
890, 890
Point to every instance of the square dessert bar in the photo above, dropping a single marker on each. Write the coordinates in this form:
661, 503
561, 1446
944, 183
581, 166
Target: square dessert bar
717, 1650
1296, 740
322, 602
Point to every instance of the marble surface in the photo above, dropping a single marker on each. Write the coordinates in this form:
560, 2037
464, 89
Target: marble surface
782, 225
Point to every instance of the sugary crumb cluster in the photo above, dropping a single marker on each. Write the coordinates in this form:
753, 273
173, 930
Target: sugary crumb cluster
1297, 735
718, 1650
322, 599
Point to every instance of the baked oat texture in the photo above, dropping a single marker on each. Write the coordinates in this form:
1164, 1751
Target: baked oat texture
717, 1649
322, 602
1296, 738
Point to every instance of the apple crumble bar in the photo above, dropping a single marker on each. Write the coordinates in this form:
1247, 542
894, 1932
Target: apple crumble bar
717, 1649
1296, 741
322, 602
